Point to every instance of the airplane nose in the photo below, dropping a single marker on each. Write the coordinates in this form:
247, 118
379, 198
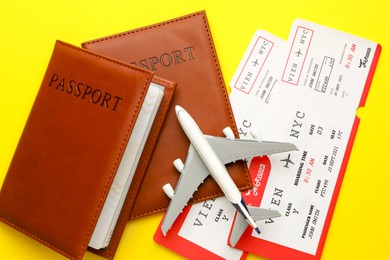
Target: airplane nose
178, 109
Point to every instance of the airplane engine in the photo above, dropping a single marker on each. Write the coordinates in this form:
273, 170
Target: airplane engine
178, 163
228, 133
255, 134
168, 190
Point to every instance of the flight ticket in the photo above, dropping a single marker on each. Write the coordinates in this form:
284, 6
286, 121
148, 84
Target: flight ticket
323, 77
305, 91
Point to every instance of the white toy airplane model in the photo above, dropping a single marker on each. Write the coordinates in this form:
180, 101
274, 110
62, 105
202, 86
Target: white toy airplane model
208, 155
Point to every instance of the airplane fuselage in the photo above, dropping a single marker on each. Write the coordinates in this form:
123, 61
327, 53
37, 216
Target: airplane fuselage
217, 169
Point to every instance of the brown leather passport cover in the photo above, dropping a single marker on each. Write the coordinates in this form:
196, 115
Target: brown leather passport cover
71, 146
181, 50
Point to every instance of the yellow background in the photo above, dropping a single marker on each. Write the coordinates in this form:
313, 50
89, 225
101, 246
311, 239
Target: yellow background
28, 29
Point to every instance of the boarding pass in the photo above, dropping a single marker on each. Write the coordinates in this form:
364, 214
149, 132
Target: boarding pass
323, 77
305, 91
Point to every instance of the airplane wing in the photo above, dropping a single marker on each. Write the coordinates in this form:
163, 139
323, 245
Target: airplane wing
229, 150
240, 224
192, 175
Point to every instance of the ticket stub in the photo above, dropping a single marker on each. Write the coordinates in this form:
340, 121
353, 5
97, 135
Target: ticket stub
256, 77
328, 64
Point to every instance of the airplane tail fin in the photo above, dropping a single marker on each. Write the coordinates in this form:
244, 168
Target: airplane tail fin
260, 213
240, 224
242, 208
238, 228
